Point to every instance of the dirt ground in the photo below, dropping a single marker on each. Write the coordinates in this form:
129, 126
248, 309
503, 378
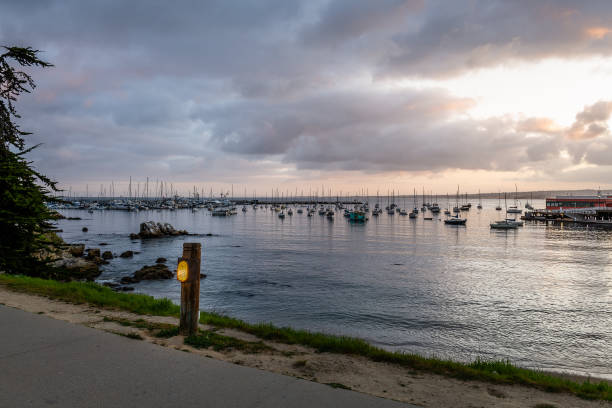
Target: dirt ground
357, 373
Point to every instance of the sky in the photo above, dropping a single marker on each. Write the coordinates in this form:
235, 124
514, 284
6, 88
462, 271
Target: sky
347, 95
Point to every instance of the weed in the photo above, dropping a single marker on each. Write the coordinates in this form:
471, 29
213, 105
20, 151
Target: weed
218, 342
338, 385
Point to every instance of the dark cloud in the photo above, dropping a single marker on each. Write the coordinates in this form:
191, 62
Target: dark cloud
188, 88
458, 36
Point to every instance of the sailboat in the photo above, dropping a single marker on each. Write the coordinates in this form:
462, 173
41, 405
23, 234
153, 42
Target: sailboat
498, 208
403, 209
424, 207
514, 208
454, 219
479, 206
415, 210
506, 223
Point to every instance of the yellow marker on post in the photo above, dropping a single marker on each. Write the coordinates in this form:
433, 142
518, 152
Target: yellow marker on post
188, 273
182, 271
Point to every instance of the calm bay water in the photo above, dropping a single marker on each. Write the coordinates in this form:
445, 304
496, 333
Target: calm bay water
540, 296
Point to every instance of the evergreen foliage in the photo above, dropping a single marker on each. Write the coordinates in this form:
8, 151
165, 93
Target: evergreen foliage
24, 216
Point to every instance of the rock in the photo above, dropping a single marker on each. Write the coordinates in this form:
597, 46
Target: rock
125, 289
153, 272
160, 260
93, 252
127, 254
76, 269
202, 275
84, 229
97, 260
102, 244
77, 250
107, 255
151, 229
73, 218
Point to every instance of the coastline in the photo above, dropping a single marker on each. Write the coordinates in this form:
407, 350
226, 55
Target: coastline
237, 345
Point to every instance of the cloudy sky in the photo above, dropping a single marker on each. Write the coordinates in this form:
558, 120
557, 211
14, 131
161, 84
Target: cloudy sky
348, 94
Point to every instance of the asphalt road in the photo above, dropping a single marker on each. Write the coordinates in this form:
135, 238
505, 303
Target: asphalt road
51, 363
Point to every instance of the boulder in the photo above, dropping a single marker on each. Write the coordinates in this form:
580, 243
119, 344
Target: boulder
127, 254
97, 260
93, 252
107, 255
84, 229
151, 229
153, 272
77, 250
76, 269
160, 260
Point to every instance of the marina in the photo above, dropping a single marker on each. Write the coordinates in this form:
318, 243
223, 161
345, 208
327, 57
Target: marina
527, 294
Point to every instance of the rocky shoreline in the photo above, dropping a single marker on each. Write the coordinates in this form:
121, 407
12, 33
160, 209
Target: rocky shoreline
76, 262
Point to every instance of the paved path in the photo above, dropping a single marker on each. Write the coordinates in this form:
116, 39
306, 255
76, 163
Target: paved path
51, 363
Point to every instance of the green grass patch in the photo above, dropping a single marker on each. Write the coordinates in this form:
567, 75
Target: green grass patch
160, 330
168, 332
497, 372
338, 385
218, 342
92, 293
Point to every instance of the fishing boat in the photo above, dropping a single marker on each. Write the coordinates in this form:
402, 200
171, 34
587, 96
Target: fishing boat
300, 210
357, 216
221, 212
281, 214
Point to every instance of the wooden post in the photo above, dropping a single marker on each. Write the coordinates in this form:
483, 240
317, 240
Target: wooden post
190, 289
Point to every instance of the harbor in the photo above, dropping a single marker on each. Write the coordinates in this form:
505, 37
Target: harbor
414, 285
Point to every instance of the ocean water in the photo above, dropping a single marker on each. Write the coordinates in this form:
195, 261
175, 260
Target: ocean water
540, 296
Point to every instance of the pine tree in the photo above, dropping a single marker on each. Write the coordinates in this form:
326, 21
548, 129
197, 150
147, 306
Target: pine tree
24, 192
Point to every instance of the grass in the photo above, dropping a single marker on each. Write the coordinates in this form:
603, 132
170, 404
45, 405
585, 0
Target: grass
338, 385
496, 372
92, 293
218, 342
168, 332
